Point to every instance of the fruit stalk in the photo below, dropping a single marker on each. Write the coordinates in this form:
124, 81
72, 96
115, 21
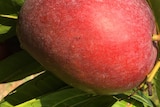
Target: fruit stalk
156, 37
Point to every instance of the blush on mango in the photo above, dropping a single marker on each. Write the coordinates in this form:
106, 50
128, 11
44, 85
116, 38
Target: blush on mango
99, 46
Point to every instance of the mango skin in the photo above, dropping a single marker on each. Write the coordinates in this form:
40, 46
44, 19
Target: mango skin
99, 46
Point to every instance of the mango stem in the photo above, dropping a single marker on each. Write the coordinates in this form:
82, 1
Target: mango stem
153, 72
150, 77
156, 37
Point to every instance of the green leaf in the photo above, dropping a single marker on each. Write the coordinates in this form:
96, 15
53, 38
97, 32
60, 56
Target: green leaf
70, 97
141, 97
7, 27
9, 10
96, 101
18, 2
128, 103
4, 29
157, 84
6, 104
18, 66
41, 85
7, 7
67, 97
136, 100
